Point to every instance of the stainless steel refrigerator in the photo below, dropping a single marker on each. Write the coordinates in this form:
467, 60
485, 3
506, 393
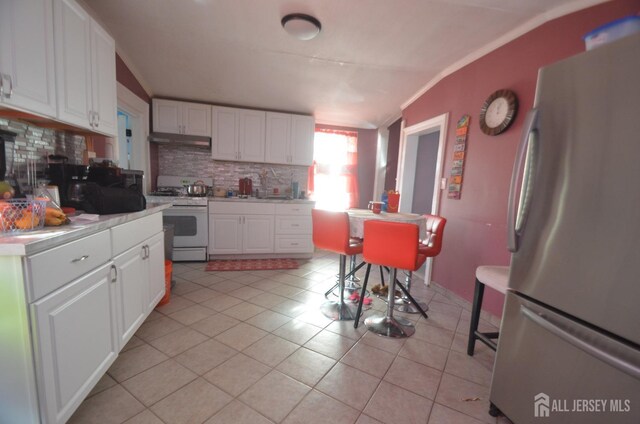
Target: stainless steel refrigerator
569, 347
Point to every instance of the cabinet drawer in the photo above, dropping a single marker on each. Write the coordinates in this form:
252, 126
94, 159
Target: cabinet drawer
56, 267
293, 209
241, 208
294, 244
293, 224
127, 235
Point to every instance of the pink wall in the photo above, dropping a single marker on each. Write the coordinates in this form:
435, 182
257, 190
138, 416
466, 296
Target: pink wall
476, 228
367, 142
125, 77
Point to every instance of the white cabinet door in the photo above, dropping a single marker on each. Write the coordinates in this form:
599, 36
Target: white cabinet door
258, 234
72, 27
251, 135
75, 329
277, 138
103, 73
27, 55
132, 291
155, 262
301, 144
167, 116
224, 139
225, 234
196, 119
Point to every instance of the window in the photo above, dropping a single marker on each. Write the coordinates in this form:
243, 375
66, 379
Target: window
333, 178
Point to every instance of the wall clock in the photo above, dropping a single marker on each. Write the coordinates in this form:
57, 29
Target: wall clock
498, 112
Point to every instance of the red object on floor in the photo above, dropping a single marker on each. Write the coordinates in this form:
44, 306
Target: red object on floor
251, 264
168, 267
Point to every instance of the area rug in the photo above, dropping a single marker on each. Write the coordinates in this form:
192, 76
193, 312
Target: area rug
251, 264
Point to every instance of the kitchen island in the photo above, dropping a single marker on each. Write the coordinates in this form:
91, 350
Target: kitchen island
70, 299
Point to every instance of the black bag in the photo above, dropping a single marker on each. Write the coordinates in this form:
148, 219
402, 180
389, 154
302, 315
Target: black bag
109, 200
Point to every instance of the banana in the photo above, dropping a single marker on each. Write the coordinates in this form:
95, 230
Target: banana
54, 217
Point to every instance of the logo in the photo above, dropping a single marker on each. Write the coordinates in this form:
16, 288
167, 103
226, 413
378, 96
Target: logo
541, 405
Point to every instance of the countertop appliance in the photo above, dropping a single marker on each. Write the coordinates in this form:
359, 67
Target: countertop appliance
569, 347
188, 215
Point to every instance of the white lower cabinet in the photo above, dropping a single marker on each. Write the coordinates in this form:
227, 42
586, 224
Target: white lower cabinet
86, 298
237, 234
259, 228
75, 338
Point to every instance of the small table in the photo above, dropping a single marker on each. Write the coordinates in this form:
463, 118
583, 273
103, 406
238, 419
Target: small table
357, 217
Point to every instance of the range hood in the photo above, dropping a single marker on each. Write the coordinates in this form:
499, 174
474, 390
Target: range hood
180, 139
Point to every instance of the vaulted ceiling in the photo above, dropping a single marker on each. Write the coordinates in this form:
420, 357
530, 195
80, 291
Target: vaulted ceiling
370, 58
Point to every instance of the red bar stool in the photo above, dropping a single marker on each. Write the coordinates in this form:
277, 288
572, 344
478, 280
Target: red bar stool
394, 245
496, 277
429, 247
331, 232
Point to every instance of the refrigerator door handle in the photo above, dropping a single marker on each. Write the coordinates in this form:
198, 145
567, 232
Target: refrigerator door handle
525, 157
589, 342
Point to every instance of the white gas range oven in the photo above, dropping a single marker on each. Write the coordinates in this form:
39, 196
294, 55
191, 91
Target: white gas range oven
187, 214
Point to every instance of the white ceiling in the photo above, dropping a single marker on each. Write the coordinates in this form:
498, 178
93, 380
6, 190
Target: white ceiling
370, 58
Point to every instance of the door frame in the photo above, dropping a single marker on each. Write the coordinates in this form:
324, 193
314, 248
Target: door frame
138, 111
407, 161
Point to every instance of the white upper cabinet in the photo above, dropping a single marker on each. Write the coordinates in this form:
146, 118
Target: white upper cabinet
237, 134
289, 139
176, 117
278, 135
224, 134
85, 70
251, 135
26, 56
301, 145
103, 72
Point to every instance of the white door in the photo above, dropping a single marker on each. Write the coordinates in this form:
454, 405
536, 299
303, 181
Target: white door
277, 137
224, 139
75, 332
258, 233
301, 145
251, 135
196, 119
132, 291
72, 28
155, 264
225, 234
103, 73
27, 55
167, 116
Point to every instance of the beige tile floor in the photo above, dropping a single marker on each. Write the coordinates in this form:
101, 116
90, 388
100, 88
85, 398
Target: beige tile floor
252, 347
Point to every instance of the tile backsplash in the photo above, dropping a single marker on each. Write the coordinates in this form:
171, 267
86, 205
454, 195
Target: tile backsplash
191, 161
34, 144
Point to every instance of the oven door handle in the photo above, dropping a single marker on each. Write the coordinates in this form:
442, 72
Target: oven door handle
188, 209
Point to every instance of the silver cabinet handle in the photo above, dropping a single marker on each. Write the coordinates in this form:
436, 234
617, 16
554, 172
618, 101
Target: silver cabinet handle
115, 276
97, 119
80, 259
2, 86
518, 210
142, 252
148, 251
609, 352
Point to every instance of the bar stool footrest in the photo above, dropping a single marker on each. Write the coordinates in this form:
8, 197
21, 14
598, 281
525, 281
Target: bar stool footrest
486, 338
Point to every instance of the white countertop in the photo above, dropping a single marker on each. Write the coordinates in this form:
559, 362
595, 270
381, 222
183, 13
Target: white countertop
259, 200
30, 242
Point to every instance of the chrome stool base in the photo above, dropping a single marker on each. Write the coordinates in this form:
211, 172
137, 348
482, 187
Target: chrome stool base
390, 326
408, 308
338, 311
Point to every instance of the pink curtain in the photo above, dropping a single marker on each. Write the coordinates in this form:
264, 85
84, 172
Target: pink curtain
348, 172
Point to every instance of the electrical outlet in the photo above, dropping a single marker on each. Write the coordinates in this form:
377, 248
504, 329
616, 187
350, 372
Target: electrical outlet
443, 183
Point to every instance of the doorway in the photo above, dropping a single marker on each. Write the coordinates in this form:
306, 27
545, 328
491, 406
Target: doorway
420, 172
133, 147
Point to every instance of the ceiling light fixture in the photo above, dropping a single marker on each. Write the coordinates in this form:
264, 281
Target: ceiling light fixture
301, 26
